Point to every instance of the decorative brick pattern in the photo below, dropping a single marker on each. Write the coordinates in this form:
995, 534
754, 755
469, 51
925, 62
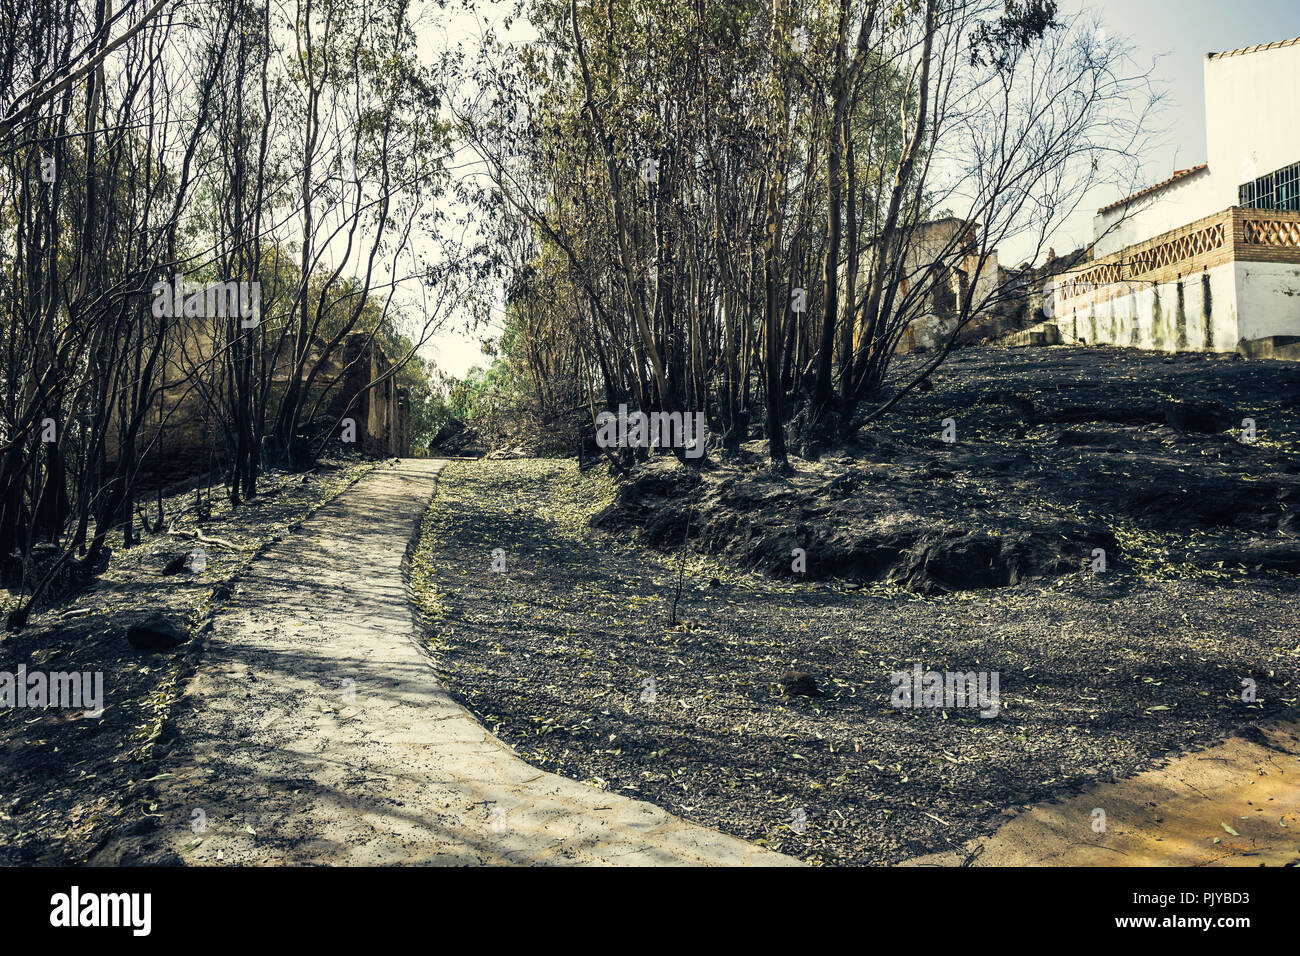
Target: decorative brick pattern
1278, 233
1235, 234
1177, 250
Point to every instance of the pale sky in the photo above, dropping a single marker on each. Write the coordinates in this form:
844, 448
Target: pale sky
1174, 34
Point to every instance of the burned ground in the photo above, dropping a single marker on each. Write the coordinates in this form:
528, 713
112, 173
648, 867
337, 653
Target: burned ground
616, 656
1058, 452
973, 556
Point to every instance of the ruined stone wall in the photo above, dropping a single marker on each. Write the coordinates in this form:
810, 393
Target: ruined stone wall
178, 433
378, 405
942, 256
180, 436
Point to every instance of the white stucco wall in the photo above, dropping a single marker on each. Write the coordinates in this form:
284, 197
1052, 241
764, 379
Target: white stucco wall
1151, 316
1252, 117
1252, 123
1268, 299
1179, 203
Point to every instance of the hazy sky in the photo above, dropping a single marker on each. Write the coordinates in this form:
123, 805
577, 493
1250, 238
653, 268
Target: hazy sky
1175, 34
1180, 33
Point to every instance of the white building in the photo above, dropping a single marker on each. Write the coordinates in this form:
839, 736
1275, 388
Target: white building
1209, 258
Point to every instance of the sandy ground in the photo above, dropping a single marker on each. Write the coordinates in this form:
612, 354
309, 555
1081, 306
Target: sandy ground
1234, 804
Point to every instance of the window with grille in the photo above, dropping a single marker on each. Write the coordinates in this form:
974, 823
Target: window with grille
1277, 190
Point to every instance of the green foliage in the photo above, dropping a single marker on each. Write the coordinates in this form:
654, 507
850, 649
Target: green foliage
482, 392
1025, 21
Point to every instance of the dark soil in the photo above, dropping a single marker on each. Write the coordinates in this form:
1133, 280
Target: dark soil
1101, 674
1058, 452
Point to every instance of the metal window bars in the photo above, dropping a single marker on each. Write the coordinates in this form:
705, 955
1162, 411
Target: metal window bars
1279, 190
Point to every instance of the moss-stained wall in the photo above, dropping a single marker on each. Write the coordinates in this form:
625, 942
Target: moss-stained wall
181, 435
1231, 277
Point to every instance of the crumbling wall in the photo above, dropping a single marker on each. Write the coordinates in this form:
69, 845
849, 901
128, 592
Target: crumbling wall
374, 400
180, 436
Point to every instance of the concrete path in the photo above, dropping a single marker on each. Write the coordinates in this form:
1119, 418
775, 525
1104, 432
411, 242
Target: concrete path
1176, 815
315, 731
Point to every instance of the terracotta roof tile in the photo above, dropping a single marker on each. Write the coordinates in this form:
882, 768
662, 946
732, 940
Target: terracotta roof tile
1254, 49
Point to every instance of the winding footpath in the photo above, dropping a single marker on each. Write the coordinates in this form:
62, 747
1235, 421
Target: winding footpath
316, 732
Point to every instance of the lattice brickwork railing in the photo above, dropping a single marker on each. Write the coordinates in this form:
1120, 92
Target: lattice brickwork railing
1159, 256
1184, 247
1094, 278
1279, 233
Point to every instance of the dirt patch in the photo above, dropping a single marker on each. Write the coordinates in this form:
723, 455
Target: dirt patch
1056, 453
896, 524
1234, 804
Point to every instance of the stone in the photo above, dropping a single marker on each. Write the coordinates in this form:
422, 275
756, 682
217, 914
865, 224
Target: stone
156, 633
797, 683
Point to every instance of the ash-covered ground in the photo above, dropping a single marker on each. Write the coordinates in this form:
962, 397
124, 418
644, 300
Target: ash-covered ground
976, 555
